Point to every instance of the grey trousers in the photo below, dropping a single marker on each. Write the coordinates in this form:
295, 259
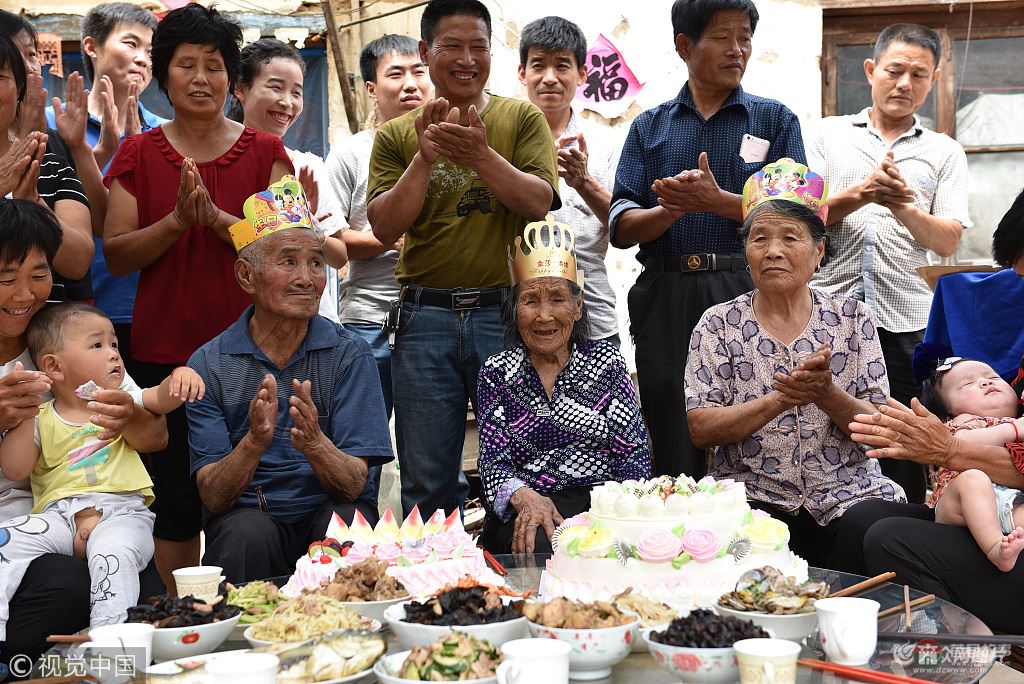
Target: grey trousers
119, 548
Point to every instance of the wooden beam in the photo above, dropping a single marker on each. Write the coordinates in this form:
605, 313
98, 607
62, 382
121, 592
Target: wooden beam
945, 107
986, 149
339, 64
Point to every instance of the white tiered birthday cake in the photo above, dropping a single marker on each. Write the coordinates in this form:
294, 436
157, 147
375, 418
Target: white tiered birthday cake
423, 556
674, 540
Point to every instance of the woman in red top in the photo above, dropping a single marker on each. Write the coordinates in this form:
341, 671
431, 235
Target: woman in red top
174, 191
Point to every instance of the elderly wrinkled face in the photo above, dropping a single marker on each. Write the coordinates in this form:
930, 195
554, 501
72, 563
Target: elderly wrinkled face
973, 387
24, 288
545, 313
781, 253
290, 278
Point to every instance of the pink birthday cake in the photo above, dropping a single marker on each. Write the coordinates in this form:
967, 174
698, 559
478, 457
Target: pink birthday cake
423, 556
674, 540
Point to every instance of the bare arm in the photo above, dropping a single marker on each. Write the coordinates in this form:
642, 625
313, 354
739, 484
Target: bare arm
940, 235
76, 248
341, 475
220, 484
335, 251
364, 245
716, 425
71, 120
18, 451
393, 212
116, 413
642, 225
183, 384
127, 247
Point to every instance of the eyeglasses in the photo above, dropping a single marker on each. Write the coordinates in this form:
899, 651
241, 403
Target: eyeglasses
948, 363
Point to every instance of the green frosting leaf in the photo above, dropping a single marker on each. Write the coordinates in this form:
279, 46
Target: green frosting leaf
457, 553
679, 560
573, 549
778, 547
749, 517
611, 554
404, 562
678, 530
722, 552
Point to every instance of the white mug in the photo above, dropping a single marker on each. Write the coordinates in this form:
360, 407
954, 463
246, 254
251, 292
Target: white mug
848, 629
767, 661
135, 638
528, 661
244, 668
200, 581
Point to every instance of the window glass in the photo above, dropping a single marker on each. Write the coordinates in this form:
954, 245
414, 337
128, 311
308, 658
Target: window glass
996, 178
989, 91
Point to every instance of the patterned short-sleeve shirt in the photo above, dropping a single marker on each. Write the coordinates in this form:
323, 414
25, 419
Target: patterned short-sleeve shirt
589, 430
800, 458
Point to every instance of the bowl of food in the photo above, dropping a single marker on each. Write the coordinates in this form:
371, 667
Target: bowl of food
185, 626
257, 600
366, 588
698, 648
600, 634
782, 605
454, 657
481, 611
650, 613
337, 656
298, 620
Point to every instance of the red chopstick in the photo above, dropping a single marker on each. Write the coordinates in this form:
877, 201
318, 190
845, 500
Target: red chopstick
859, 673
498, 568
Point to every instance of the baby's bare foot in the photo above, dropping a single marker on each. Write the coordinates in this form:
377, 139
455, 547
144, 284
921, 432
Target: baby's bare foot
1004, 553
85, 522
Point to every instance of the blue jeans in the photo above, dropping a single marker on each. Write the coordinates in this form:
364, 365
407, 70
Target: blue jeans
437, 356
378, 342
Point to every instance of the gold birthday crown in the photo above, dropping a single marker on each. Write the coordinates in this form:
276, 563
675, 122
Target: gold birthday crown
545, 250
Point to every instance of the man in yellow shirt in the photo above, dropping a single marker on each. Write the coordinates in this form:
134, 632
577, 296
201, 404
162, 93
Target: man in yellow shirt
459, 178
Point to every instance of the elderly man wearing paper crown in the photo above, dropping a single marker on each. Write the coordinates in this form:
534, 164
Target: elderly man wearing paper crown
293, 412
775, 376
557, 411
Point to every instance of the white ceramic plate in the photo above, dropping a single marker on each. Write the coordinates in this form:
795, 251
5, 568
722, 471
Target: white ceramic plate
375, 626
172, 667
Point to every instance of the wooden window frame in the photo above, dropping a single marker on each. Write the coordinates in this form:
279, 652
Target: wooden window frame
859, 23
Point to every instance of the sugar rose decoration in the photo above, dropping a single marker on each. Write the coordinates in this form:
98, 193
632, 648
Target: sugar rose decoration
702, 545
658, 546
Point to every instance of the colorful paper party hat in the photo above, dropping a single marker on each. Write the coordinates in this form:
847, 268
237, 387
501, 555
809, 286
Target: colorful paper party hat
787, 180
282, 205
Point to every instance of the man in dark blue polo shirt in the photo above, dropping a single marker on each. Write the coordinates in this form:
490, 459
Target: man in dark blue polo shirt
293, 412
677, 194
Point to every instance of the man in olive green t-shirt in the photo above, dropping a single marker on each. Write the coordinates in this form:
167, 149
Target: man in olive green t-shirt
459, 178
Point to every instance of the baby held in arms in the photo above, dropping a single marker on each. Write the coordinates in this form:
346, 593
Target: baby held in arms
978, 406
90, 490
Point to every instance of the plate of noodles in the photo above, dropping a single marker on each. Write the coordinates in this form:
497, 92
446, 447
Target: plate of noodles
304, 618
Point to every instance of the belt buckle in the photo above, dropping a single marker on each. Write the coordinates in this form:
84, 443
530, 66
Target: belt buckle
463, 301
697, 262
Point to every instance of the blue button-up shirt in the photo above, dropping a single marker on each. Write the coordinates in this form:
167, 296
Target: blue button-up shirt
668, 139
345, 389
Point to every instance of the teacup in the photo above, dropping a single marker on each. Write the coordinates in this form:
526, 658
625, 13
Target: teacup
244, 668
528, 661
848, 629
767, 661
136, 639
200, 581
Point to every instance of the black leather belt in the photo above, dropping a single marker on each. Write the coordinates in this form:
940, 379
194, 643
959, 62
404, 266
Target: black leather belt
692, 263
457, 300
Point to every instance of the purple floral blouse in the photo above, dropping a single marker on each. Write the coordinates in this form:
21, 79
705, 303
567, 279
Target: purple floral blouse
800, 458
590, 431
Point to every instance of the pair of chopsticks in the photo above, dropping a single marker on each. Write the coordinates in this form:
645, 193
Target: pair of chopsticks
859, 674
67, 638
907, 605
880, 579
870, 583
498, 567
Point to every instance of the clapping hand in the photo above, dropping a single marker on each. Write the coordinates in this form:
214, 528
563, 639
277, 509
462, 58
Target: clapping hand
263, 412
689, 191
433, 113
14, 164
32, 110
886, 186
306, 432
810, 381
193, 206
27, 188
464, 145
72, 118
572, 160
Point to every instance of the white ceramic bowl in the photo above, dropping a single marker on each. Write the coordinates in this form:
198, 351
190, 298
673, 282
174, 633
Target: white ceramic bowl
373, 609
694, 665
171, 643
790, 627
374, 626
594, 651
387, 668
410, 634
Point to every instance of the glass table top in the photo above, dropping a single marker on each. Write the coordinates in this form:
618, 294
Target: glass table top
948, 663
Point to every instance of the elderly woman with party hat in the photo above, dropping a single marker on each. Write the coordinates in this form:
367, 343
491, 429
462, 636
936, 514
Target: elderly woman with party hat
557, 412
293, 414
775, 376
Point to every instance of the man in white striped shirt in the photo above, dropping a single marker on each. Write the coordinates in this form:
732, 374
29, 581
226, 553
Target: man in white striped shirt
896, 190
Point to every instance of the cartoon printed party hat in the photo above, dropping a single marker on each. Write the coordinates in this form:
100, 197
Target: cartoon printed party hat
282, 205
788, 180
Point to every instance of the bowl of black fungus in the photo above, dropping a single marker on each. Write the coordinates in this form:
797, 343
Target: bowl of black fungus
480, 611
186, 627
698, 648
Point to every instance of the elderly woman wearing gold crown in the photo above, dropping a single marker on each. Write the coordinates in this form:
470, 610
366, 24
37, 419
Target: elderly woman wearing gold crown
775, 376
557, 412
